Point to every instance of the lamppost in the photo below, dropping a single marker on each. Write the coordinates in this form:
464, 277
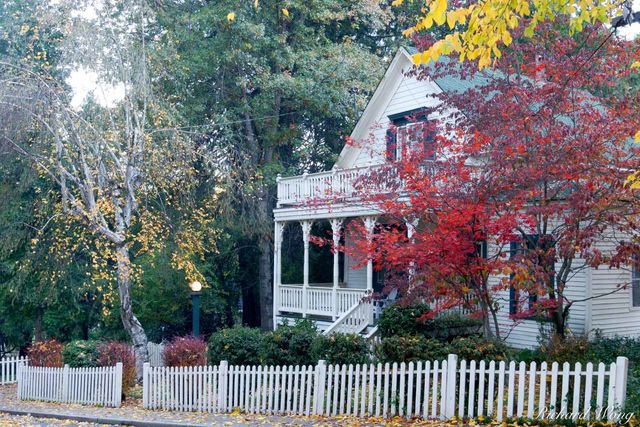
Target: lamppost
196, 287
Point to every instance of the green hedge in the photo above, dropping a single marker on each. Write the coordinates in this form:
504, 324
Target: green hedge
342, 349
296, 344
81, 354
399, 320
416, 348
238, 346
290, 344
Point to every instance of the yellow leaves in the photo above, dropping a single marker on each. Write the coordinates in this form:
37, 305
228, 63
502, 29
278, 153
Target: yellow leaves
636, 138
456, 16
439, 9
231, 16
506, 38
635, 64
489, 23
396, 3
285, 12
633, 181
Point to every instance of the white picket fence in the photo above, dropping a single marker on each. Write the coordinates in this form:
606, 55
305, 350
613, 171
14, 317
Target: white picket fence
89, 386
438, 389
9, 369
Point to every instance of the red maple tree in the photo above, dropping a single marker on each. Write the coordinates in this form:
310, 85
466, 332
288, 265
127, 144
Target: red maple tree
524, 185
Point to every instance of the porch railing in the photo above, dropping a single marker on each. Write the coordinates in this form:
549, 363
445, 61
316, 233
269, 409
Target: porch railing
319, 300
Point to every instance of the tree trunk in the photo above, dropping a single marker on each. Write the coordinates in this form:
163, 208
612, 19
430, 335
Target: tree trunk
266, 288
37, 326
129, 320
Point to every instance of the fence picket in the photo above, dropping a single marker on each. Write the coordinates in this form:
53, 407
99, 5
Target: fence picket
472, 389
501, 378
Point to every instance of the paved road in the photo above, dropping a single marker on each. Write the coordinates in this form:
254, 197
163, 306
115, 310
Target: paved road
24, 421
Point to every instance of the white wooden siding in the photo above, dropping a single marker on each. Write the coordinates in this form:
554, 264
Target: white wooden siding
411, 94
612, 314
526, 333
355, 278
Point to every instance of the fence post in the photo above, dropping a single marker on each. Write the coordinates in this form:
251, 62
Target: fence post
146, 385
622, 367
318, 387
117, 389
19, 369
65, 383
451, 385
223, 374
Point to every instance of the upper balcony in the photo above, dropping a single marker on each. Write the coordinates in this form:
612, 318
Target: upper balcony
339, 183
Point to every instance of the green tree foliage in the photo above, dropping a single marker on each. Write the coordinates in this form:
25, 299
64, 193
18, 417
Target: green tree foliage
270, 93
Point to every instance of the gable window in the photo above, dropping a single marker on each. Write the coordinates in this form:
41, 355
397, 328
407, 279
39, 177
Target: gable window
635, 285
410, 130
521, 248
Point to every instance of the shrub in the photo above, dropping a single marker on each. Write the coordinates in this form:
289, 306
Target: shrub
185, 351
237, 345
570, 349
342, 349
290, 344
408, 349
398, 320
114, 352
81, 354
477, 348
46, 353
415, 348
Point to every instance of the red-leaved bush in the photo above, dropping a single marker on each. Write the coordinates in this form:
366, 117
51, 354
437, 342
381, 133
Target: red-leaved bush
185, 351
113, 352
46, 353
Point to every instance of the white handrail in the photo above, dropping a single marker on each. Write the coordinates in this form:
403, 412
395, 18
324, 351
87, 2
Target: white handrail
354, 320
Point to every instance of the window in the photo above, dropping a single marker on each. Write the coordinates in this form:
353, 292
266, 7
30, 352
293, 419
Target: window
480, 252
520, 248
635, 285
407, 130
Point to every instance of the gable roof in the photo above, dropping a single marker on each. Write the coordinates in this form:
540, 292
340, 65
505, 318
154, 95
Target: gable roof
387, 88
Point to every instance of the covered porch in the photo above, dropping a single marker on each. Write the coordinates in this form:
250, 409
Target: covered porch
341, 304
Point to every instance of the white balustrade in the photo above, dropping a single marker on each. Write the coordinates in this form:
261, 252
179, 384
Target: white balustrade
336, 183
353, 321
319, 299
290, 298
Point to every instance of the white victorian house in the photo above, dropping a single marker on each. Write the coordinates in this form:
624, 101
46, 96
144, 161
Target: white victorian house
337, 304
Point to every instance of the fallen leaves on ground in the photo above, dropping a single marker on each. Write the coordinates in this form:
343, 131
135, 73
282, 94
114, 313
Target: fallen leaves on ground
132, 409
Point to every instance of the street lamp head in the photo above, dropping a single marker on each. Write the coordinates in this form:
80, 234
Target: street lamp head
196, 286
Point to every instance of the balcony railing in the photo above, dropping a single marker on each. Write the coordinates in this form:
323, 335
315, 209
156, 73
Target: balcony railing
340, 183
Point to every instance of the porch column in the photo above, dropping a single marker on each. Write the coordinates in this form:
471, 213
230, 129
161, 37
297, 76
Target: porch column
277, 269
411, 229
306, 234
336, 225
369, 224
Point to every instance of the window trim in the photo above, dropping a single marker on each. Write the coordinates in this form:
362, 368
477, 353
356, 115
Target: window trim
397, 121
635, 287
514, 247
